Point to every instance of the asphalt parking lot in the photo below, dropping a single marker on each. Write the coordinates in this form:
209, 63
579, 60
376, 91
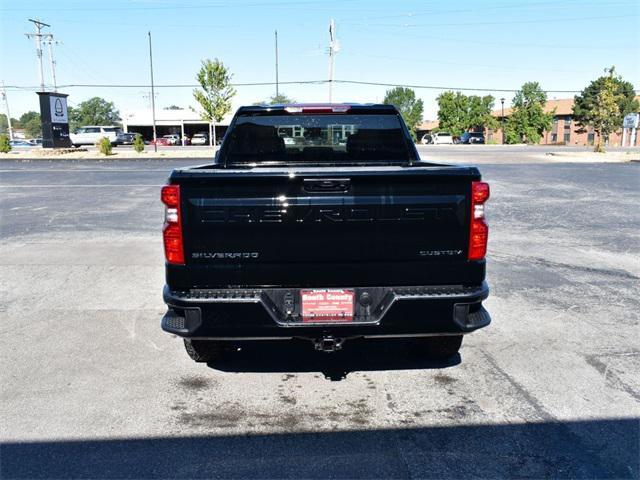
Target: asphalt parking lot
91, 387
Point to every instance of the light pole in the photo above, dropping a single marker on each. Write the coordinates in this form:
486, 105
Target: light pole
153, 98
53, 63
277, 90
502, 119
334, 47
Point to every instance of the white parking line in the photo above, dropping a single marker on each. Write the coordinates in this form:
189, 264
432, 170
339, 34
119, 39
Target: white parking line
70, 170
78, 186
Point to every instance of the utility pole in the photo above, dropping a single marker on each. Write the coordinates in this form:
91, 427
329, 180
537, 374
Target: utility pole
153, 98
502, 120
38, 37
277, 92
334, 47
53, 63
6, 105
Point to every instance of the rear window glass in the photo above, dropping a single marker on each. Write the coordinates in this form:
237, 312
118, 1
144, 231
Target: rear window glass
316, 139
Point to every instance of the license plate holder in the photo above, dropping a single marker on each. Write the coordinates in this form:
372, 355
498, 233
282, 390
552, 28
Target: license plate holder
327, 305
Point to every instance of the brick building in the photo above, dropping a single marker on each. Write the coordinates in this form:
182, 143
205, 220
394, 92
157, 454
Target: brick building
564, 130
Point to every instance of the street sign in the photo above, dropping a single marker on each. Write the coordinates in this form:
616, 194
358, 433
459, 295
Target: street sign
630, 120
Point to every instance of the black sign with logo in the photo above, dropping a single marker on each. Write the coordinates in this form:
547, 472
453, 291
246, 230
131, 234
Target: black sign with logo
55, 120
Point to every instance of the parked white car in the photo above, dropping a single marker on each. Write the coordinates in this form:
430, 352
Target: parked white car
441, 138
200, 139
426, 139
174, 139
89, 135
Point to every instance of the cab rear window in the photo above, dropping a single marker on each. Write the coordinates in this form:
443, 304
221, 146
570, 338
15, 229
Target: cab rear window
333, 138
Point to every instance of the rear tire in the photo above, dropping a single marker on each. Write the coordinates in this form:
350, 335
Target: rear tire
440, 347
203, 351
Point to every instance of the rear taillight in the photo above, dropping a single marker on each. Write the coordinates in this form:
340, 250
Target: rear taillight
479, 230
172, 229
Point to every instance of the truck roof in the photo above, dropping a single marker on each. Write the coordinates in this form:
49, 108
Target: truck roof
285, 108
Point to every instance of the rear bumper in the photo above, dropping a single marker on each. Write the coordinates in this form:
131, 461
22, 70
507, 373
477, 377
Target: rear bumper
259, 313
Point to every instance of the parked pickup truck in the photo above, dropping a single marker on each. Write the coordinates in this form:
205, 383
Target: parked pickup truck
342, 233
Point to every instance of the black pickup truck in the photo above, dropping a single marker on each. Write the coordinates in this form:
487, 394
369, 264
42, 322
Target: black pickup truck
321, 222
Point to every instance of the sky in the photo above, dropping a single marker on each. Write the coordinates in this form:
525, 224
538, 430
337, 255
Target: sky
493, 45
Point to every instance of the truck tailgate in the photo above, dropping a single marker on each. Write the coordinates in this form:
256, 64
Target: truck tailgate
282, 227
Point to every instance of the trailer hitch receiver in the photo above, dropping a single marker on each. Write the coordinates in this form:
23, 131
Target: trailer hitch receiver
328, 344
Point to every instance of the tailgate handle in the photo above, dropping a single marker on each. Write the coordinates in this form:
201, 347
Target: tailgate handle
327, 184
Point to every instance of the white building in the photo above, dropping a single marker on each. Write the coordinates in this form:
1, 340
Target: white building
183, 122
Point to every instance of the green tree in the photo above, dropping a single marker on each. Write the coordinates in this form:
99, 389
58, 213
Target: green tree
479, 112
457, 113
603, 105
26, 117
95, 111
138, 143
410, 107
452, 112
30, 122
5, 146
528, 119
4, 125
278, 99
172, 107
216, 91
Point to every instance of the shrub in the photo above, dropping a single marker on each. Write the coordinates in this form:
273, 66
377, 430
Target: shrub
5, 146
104, 145
138, 144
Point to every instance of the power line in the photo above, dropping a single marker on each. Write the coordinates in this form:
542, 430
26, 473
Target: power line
232, 4
482, 7
466, 41
429, 61
294, 82
176, 85
439, 87
476, 23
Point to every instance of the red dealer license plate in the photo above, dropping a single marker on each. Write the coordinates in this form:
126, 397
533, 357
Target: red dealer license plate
327, 305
